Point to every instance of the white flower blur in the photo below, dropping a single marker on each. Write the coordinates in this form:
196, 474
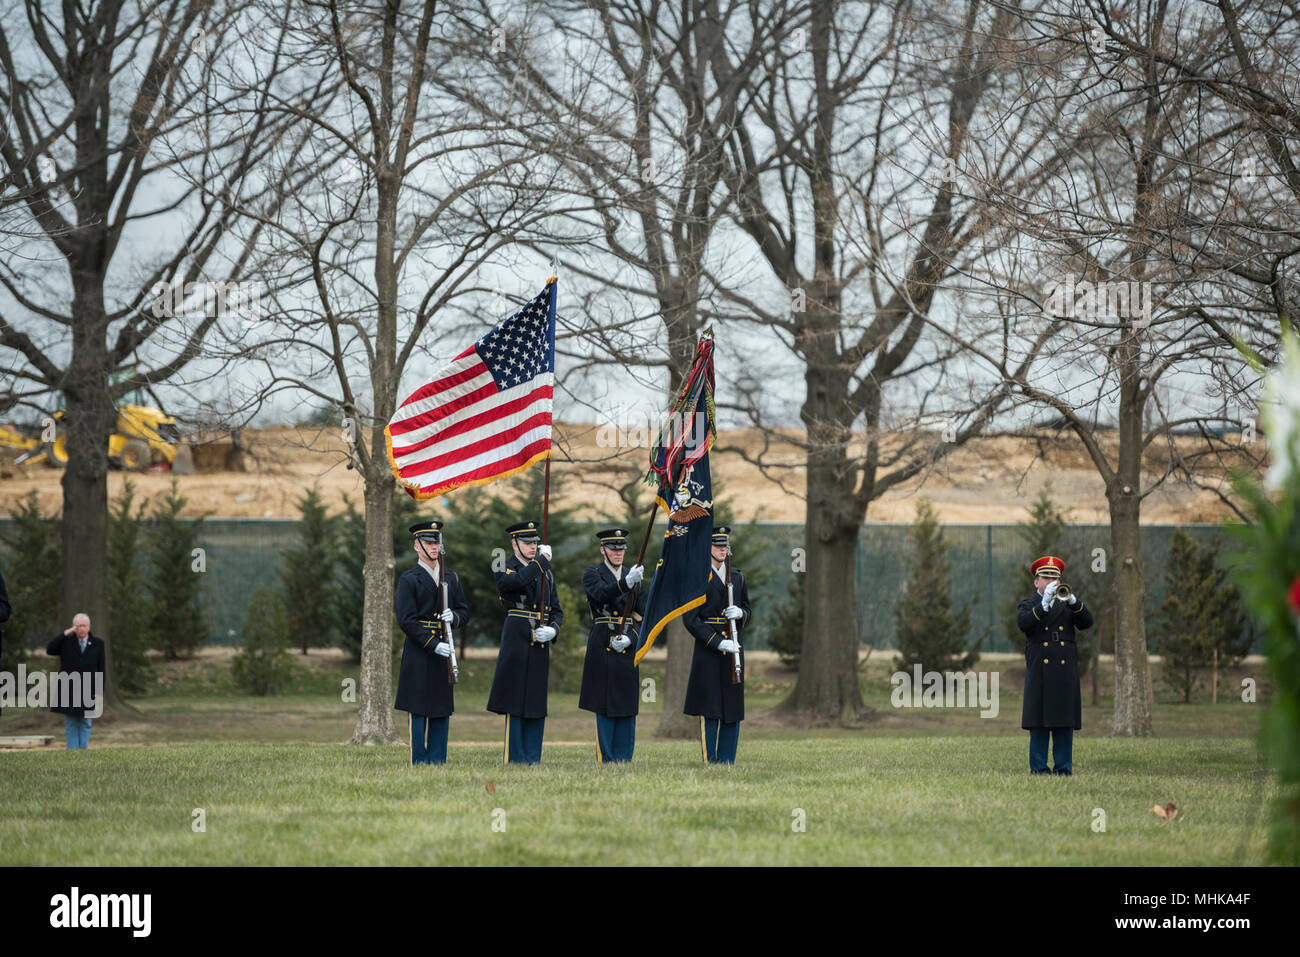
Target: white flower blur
1280, 412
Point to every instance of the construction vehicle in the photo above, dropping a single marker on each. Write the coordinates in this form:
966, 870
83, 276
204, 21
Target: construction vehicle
143, 437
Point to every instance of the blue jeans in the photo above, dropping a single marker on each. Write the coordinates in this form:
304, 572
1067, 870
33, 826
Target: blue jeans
1062, 749
77, 732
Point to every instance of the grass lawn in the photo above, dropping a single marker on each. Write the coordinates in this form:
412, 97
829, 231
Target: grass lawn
889, 800
909, 786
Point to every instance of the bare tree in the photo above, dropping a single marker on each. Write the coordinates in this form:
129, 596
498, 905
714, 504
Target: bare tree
407, 193
95, 136
851, 167
1124, 256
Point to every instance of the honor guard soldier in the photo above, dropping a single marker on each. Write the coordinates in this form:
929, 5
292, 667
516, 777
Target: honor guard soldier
609, 677
713, 692
524, 661
1053, 706
424, 685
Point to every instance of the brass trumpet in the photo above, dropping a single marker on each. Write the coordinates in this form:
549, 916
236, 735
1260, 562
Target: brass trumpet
1063, 591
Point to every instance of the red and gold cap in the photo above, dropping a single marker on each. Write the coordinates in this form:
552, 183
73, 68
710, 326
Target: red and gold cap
1049, 566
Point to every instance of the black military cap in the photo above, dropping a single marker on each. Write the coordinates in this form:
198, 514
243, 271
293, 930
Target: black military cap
430, 531
612, 537
721, 534
525, 532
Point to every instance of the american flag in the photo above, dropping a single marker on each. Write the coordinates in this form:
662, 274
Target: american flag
485, 415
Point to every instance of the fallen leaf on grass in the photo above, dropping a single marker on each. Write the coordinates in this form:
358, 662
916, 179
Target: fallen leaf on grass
491, 788
1166, 813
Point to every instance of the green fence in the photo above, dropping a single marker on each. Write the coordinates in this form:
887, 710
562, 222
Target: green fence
986, 562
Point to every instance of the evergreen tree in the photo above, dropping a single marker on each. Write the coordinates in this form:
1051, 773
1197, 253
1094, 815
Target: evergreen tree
348, 558
177, 624
787, 623
569, 649
307, 575
347, 596
263, 665
128, 607
1201, 613
930, 633
32, 578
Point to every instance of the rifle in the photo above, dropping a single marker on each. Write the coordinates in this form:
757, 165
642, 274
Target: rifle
453, 669
735, 635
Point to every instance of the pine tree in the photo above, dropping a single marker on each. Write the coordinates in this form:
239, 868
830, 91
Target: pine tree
177, 624
307, 575
569, 649
347, 597
263, 665
128, 607
930, 633
1201, 613
347, 556
32, 578
787, 623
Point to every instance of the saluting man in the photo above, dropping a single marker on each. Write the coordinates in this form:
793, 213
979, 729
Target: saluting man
1053, 705
524, 661
424, 689
609, 677
710, 692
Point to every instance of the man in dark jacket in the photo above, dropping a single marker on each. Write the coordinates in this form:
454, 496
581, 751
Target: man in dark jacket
524, 661
610, 685
81, 660
1053, 705
424, 685
710, 691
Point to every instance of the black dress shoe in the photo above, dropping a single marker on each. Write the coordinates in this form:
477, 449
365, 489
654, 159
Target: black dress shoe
1044, 771
1059, 771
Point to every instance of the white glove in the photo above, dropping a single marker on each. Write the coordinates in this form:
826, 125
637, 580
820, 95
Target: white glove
544, 551
544, 633
1048, 592
1074, 599
635, 574
442, 648
621, 642
447, 615
733, 612
727, 646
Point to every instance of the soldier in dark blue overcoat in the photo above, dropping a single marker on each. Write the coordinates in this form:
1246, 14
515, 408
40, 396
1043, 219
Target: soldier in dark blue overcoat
524, 661
1053, 705
424, 689
710, 692
610, 685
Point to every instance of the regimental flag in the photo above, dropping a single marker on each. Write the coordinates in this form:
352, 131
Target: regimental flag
487, 414
680, 462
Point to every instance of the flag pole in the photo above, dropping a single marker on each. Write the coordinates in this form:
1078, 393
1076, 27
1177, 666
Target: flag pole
645, 540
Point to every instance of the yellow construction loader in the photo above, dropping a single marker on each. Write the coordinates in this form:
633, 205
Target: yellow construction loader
144, 436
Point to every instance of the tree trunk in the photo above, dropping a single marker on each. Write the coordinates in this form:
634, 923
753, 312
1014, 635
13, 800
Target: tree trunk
89, 420
827, 688
1132, 716
375, 712
681, 649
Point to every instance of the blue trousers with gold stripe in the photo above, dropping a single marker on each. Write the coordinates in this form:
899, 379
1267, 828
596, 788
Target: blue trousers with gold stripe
428, 739
524, 739
718, 740
615, 738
